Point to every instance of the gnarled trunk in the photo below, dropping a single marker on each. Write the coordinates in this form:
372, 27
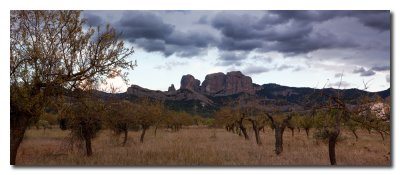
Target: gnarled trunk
381, 133
88, 143
292, 129
307, 131
256, 132
19, 123
332, 144
243, 129
125, 136
355, 134
279, 139
144, 128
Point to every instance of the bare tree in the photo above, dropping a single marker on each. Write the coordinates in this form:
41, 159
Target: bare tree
50, 52
279, 128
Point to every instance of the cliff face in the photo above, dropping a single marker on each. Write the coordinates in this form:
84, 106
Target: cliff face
214, 84
236, 82
190, 83
229, 84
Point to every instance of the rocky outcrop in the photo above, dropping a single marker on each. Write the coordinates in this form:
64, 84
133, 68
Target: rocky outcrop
214, 84
217, 84
171, 94
143, 92
236, 82
171, 89
190, 83
229, 84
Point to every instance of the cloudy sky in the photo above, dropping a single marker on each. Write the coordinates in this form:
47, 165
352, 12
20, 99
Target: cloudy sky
292, 48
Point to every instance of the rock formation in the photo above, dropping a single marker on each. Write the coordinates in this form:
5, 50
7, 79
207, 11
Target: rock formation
236, 82
229, 84
214, 84
171, 89
190, 83
143, 92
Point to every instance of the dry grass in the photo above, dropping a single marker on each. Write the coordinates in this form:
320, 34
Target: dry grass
202, 146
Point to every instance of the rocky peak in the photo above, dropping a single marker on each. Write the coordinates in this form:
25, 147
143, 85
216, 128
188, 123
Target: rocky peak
214, 83
171, 89
190, 83
236, 82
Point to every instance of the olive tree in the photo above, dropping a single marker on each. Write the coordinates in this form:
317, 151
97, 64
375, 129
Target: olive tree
148, 113
121, 116
50, 52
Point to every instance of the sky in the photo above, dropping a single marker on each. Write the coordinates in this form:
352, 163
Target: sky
339, 49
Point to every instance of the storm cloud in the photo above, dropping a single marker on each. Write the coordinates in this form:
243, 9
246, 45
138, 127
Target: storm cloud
358, 38
252, 70
363, 72
256, 42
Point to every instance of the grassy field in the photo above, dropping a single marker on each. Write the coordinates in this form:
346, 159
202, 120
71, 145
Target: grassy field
202, 146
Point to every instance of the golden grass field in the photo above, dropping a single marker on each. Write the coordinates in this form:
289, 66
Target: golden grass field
202, 146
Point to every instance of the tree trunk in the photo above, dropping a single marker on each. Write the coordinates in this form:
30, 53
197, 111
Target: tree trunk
381, 133
88, 142
307, 131
243, 129
256, 132
155, 131
292, 129
278, 139
332, 144
143, 132
125, 136
355, 134
19, 123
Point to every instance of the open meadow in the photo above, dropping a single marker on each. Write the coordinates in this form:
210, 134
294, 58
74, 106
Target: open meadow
202, 146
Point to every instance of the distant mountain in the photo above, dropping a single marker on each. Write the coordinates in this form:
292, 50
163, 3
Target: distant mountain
218, 89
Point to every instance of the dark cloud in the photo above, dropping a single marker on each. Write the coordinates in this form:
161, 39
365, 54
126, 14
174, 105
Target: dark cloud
368, 73
231, 58
151, 45
262, 58
252, 70
203, 20
143, 24
359, 70
363, 72
230, 44
92, 19
191, 38
290, 32
149, 31
379, 20
283, 67
380, 68
286, 32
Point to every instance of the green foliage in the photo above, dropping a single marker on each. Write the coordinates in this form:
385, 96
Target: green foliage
323, 134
